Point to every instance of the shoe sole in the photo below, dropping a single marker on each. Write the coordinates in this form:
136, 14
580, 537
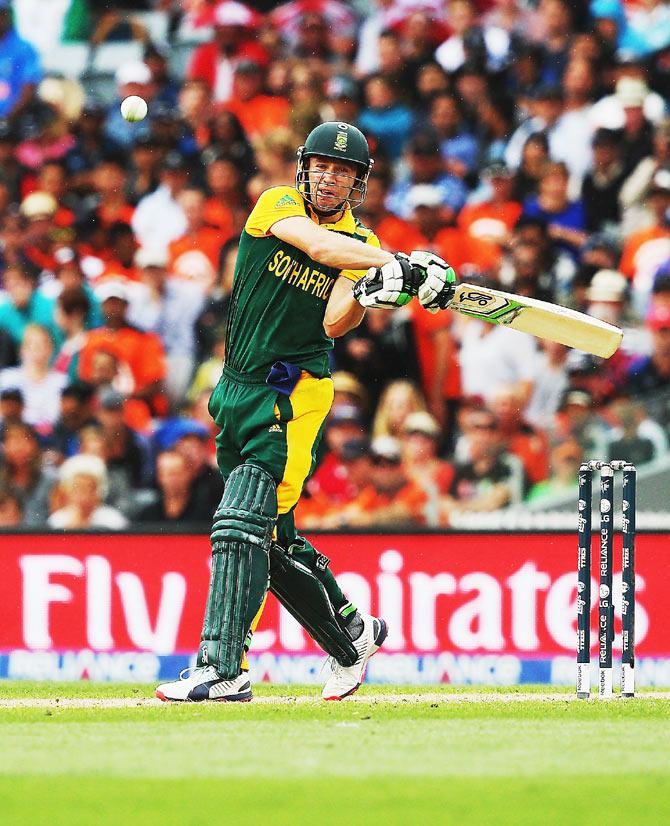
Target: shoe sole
379, 641
234, 699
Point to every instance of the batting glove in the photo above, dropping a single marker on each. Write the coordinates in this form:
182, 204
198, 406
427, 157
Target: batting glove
438, 280
392, 285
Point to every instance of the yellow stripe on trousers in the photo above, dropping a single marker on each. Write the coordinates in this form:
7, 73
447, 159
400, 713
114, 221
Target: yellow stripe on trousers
311, 401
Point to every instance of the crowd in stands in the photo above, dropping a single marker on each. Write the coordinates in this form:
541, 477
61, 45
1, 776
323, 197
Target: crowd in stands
525, 141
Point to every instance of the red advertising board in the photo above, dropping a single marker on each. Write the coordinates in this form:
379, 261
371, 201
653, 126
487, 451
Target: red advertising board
506, 597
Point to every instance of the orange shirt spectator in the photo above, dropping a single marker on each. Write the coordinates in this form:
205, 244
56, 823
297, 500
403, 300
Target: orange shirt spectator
195, 256
390, 498
397, 235
142, 353
375, 507
218, 215
437, 353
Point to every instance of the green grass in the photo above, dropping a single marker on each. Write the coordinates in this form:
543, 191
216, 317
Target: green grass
466, 763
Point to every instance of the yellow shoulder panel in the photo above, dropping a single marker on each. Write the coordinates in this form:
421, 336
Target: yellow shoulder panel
273, 205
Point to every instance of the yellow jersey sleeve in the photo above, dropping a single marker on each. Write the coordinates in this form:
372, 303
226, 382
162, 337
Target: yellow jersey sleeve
356, 275
273, 205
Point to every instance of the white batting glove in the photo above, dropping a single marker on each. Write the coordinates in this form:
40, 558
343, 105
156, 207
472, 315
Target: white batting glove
439, 280
385, 286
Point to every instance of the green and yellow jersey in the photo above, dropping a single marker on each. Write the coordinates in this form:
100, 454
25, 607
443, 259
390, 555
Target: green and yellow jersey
279, 293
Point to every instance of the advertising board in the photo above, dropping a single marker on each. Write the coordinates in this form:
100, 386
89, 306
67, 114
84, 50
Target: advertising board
497, 609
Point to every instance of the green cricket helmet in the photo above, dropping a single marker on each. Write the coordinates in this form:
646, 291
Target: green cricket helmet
341, 141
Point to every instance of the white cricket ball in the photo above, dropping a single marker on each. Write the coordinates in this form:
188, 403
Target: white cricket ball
134, 108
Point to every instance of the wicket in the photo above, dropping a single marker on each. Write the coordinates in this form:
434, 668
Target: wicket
606, 595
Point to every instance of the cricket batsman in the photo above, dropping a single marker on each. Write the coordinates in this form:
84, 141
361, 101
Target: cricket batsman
306, 271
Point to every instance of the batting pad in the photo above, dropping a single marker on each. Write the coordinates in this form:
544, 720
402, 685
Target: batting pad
241, 538
295, 581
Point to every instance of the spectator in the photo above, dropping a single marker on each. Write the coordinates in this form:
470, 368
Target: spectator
564, 479
382, 348
21, 70
195, 256
391, 230
652, 373
631, 93
603, 183
122, 248
11, 508
258, 113
176, 501
91, 145
344, 425
228, 138
459, 149
320, 510
126, 453
233, 42
555, 18
275, 156
565, 218
635, 437
76, 412
390, 499
109, 178
227, 205
11, 407
549, 385
492, 357
384, 116
399, 399
131, 79
491, 479
645, 250
577, 419
37, 249
419, 443
83, 486
534, 158
191, 440
143, 177
424, 166
635, 189
518, 436
40, 386
490, 222
170, 308
468, 41
343, 102
23, 304
21, 468
159, 219
141, 355
72, 309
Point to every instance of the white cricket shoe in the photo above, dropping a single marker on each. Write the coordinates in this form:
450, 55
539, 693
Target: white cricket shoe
204, 683
344, 681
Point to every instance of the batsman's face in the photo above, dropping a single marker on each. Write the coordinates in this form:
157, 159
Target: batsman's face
330, 182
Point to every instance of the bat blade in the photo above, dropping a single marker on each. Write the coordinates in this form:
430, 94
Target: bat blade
539, 318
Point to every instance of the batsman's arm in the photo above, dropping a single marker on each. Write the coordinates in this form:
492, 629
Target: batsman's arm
343, 312
330, 248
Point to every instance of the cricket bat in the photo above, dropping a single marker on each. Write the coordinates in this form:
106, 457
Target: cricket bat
539, 318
